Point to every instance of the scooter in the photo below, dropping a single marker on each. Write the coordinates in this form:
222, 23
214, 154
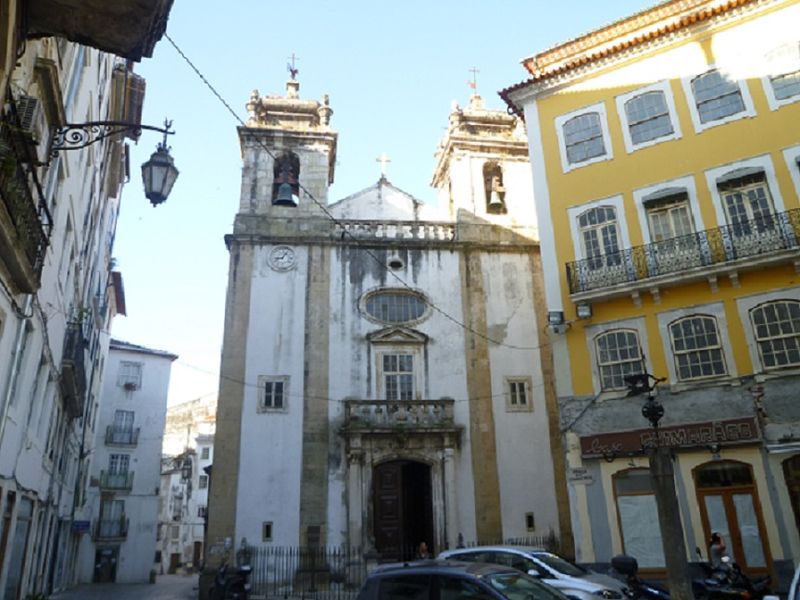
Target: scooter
728, 582
628, 567
233, 585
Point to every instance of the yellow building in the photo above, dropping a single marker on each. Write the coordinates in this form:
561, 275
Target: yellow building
666, 165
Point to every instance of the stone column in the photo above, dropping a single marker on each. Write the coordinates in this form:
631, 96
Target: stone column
450, 511
355, 492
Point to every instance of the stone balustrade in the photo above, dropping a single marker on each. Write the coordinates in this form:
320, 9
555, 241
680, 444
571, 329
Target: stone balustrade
395, 230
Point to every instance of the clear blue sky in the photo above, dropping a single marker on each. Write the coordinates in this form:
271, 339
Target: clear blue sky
391, 70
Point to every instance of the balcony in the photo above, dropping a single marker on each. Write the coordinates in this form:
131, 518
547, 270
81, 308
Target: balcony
121, 437
73, 370
111, 529
116, 481
395, 416
722, 251
25, 223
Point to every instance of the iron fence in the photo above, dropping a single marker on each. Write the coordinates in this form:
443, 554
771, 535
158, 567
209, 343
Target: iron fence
337, 573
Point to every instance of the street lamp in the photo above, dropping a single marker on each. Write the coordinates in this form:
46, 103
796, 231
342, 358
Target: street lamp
663, 478
158, 174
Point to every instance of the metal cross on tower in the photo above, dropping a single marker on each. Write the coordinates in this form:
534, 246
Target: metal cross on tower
474, 83
293, 70
383, 159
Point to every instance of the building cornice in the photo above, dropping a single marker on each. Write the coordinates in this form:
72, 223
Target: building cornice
665, 25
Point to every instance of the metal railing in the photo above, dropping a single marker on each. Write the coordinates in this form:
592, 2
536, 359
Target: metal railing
122, 437
116, 481
111, 528
395, 230
30, 218
420, 414
760, 237
73, 370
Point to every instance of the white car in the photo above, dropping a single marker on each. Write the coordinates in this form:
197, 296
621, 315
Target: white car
568, 578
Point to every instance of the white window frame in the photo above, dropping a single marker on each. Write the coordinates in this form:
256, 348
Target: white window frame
526, 384
205, 452
622, 99
381, 374
747, 100
774, 102
764, 163
792, 157
744, 305
681, 184
130, 372
759, 341
202, 482
591, 332
560, 120
675, 353
263, 380
714, 309
574, 212
601, 364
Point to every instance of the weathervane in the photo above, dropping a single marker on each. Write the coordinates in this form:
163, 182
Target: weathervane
474, 83
293, 70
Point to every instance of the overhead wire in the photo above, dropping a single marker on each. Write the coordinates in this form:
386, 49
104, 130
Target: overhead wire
359, 243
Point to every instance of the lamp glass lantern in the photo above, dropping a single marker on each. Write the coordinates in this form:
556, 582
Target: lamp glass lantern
159, 175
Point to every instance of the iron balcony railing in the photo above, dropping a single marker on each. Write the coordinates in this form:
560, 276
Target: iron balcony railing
122, 437
107, 529
73, 370
399, 414
766, 236
29, 218
116, 481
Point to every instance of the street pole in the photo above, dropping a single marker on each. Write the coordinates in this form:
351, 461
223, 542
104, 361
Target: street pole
662, 477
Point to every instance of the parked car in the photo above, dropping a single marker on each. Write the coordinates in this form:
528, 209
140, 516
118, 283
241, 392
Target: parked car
573, 581
453, 580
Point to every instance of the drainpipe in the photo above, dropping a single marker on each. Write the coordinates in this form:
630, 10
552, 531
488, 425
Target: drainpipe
15, 365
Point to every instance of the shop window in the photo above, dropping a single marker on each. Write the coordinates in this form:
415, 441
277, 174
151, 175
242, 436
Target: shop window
638, 517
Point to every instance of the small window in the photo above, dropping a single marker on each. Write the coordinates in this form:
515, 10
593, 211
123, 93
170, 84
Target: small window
130, 375
518, 394
273, 393
398, 375
202, 512
697, 348
716, 96
784, 72
530, 524
204, 452
583, 138
777, 331
648, 117
390, 306
266, 531
203, 483
619, 355
176, 532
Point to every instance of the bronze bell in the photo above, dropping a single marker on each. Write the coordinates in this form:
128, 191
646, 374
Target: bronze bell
285, 197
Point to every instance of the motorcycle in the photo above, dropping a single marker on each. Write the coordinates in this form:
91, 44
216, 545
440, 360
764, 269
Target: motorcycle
231, 584
628, 567
728, 582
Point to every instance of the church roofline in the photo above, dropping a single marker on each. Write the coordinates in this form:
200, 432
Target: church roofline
382, 182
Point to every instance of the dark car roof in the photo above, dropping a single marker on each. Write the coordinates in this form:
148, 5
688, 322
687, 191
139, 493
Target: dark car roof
475, 569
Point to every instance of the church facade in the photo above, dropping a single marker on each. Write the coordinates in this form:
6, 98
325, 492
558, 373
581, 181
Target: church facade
385, 376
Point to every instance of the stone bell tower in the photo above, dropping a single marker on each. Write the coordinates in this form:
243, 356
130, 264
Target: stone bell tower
288, 151
482, 167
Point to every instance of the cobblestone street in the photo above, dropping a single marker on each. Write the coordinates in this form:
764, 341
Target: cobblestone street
167, 587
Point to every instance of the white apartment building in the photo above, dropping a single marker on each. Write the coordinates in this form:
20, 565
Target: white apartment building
122, 499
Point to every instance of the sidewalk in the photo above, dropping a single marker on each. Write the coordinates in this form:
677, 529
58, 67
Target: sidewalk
166, 587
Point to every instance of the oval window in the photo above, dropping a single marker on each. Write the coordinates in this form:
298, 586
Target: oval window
395, 306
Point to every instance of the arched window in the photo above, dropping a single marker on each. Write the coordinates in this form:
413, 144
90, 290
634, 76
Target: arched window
697, 348
583, 137
599, 236
285, 182
638, 517
776, 326
716, 96
648, 117
494, 189
748, 204
618, 355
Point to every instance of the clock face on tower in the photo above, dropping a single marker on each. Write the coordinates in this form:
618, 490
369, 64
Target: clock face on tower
282, 258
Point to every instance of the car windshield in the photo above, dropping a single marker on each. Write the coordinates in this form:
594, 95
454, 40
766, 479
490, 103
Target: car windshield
561, 565
518, 586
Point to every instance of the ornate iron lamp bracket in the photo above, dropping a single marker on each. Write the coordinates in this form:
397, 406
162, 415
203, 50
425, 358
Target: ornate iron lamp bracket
74, 136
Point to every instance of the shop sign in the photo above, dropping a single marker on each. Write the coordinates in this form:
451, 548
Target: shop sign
580, 476
726, 432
